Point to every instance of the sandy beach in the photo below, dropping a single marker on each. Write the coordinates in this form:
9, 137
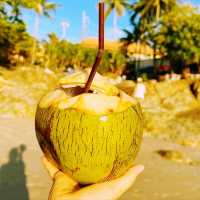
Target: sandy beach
92, 77
22, 176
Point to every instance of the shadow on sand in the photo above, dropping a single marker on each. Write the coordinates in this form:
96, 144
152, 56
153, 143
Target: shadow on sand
12, 176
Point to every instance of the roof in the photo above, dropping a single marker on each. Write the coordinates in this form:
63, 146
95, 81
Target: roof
93, 43
133, 49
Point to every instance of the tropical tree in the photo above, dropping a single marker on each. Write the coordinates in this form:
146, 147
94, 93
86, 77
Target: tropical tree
14, 39
178, 36
145, 21
150, 10
3, 13
15, 10
118, 6
61, 54
11, 9
134, 36
41, 8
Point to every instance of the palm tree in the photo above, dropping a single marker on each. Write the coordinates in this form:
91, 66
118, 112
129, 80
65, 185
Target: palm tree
149, 13
118, 6
151, 9
15, 9
41, 7
136, 36
132, 36
51, 49
64, 25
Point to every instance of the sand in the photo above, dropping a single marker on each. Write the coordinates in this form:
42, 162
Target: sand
22, 176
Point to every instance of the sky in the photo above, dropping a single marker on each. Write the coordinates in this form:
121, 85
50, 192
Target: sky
72, 12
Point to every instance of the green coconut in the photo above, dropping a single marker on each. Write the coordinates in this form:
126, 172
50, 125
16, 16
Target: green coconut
93, 137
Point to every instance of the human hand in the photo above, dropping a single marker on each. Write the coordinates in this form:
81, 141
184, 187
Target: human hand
65, 188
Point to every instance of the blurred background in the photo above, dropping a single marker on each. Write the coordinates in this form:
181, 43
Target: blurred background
152, 53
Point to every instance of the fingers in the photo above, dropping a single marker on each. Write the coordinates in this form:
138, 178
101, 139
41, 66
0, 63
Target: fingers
62, 184
131, 174
52, 170
109, 190
64, 187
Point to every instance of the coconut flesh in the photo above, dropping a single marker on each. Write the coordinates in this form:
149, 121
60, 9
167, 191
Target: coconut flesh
93, 137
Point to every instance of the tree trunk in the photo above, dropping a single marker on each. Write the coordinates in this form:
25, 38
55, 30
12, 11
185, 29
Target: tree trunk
154, 58
158, 10
36, 30
139, 55
115, 27
198, 69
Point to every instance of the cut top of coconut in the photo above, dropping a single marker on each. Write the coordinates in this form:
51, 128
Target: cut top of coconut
100, 83
91, 103
103, 97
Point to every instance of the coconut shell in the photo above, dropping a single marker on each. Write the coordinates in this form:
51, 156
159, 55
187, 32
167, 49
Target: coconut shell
91, 148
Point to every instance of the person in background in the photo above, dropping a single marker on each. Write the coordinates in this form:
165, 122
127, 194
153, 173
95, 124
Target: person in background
186, 73
140, 89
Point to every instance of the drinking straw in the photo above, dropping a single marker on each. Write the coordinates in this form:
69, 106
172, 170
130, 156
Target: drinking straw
100, 47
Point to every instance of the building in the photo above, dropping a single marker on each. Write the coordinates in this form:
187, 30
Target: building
137, 51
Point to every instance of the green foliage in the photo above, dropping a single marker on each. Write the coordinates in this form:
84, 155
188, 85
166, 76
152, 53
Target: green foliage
61, 54
151, 10
15, 6
42, 7
169, 28
146, 13
11, 9
178, 35
16, 44
145, 16
18, 47
118, 5
13, 40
